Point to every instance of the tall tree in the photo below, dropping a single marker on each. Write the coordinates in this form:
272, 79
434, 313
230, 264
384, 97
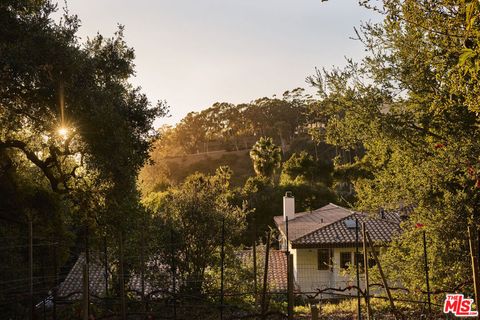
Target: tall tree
193, 214
266, 157
302, 168
404, 104
84, 173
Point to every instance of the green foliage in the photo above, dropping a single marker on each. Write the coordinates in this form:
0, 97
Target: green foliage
464, 78
302, 168
266, 157
84, 175
411, 111
265, 200
193, 214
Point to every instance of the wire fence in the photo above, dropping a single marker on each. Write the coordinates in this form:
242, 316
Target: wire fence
164, 277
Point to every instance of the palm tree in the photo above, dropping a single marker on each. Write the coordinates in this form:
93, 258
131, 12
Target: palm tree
266, 157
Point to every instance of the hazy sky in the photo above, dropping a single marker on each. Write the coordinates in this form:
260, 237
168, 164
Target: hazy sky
193, 53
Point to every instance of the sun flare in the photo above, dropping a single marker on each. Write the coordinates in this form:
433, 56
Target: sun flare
63, 132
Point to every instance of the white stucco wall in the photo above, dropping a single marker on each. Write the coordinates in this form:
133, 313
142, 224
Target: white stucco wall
309, 278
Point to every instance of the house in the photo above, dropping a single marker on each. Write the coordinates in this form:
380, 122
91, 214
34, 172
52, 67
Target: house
323, 242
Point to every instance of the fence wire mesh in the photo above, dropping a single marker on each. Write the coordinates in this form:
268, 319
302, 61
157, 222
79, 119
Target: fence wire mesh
163, 279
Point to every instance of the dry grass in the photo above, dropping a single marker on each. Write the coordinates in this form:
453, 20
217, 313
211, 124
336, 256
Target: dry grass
347, 310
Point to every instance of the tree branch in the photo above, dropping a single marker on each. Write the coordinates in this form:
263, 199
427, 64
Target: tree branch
42, 165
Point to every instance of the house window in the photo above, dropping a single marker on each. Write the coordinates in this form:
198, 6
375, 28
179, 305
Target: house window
345, 259
371, 260
359, 258
324, 259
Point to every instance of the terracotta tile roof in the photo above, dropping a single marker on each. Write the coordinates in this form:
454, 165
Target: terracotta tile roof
328, 226
337, 233
277, 267
72, 287
277, 270
306, 222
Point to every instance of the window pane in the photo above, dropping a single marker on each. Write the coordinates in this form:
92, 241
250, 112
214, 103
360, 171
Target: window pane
371, 260
323, 259
359, 257
345, 259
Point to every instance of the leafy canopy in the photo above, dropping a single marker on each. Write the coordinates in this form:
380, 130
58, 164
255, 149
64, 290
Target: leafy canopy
408, 104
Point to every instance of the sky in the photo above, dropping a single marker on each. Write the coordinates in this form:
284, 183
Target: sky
193, 53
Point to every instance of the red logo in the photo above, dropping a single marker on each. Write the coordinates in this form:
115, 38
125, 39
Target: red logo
459, 306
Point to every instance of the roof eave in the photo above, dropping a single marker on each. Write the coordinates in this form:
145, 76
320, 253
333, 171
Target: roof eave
330, 245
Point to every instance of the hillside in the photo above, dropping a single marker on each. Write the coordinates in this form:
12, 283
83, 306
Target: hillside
173, 170
167, 170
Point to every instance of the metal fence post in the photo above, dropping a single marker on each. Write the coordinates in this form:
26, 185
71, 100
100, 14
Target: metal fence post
265, 275
255, 285
290, 282
142, 267
474, 261
30, 263
365, 262
122, 281
87, 266
290, 279
85, 292
105, 257
314, 311
357, 266
55, 280
174, 281
222, 268
426, 273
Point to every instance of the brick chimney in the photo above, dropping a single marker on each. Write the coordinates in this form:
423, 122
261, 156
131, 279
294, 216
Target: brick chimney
288, 206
